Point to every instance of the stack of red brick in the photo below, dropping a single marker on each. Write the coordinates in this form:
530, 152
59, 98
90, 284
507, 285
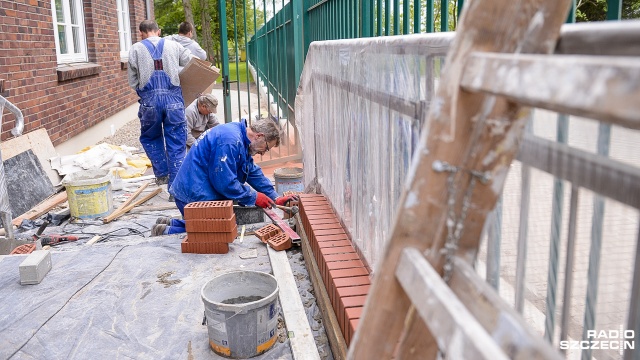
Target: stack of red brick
274, 236
211, 227
345, 276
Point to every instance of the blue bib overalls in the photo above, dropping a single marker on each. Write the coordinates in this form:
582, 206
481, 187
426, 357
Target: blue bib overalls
163, 125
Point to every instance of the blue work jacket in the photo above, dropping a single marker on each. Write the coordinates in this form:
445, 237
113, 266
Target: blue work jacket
218, 166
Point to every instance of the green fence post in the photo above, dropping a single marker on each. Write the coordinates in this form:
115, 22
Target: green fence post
460, 6
222, 10
416, 16
571, 18
366, 19
430, 19
444, 15
614, 9
298, 38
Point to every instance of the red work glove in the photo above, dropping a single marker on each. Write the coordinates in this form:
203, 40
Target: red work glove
263, 201
283, 200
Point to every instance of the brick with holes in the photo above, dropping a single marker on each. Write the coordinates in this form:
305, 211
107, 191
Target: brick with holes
209, 210
280, 242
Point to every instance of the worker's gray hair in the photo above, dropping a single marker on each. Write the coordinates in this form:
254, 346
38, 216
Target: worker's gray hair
209, 101
269, 128
148, 25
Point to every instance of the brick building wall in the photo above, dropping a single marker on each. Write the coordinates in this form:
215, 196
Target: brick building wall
64, 99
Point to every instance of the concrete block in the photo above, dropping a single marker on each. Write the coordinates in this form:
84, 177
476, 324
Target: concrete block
34, 268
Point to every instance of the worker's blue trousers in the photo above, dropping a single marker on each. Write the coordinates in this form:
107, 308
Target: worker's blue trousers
178, 226
162, 122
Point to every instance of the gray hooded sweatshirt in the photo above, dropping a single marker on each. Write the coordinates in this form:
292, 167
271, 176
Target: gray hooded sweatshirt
189, 44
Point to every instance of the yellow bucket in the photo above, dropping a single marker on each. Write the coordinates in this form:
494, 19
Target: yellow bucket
89, 193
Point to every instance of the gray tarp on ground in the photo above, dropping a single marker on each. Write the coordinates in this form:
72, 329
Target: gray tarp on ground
109, 301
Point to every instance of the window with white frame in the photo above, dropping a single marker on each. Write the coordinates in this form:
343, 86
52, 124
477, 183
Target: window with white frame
124, 28
68, 27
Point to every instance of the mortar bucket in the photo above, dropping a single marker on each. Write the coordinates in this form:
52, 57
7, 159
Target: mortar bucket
89, 193
288, 179
241, 312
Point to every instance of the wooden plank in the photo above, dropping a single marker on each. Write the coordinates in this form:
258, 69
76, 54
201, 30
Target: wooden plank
155, 207
509, 330
602, 175
133, 196
329, 319
416, 341
93, 240
456, 331
303, 345
474, 132
42, 208
599, 88
123, 211
40, 143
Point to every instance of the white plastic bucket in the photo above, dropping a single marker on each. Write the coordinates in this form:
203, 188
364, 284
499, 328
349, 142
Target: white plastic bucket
288, 179
89, 193
241, 311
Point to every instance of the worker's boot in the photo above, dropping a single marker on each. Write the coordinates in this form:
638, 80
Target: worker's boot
158, 229
164, 220
162, 180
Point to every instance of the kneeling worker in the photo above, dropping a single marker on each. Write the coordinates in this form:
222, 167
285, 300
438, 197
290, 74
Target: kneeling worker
201, 116
217, 167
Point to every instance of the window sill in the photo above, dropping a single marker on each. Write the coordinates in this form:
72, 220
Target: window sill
74, 71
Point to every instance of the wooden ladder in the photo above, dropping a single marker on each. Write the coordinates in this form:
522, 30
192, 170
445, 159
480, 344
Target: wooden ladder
427, 300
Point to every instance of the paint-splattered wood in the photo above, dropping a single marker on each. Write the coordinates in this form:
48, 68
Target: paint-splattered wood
498, 318
456, 331
601, 88
475, 133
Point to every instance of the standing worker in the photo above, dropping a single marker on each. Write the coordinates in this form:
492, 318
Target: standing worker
218, 166
184, 38
201, 116
153, 73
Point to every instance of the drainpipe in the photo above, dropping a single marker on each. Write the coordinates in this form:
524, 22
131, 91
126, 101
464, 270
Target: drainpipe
147, 4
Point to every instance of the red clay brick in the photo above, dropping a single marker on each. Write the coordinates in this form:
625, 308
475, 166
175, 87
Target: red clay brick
327, 267
226, 237
280, 242
337, 250
211, 225
350, 314
266, 232
337, 265
335, 243
322, 243
209, 210
346, 282
353, 326
342, 273
341, 257
326, 220
204, 247
326, 226
339, 231
347, 302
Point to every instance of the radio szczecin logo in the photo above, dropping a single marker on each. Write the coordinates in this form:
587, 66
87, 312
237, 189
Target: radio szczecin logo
604, 339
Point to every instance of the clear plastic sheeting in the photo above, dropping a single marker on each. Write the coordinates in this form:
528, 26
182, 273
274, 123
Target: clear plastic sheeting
360, 108
124, 300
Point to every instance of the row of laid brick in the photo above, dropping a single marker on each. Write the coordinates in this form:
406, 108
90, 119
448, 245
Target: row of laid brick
211, 226
345, 276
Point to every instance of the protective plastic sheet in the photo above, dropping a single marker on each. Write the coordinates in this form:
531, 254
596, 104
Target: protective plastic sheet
136, 299
360, 125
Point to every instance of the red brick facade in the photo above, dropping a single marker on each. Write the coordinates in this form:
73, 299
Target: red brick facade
63, 102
